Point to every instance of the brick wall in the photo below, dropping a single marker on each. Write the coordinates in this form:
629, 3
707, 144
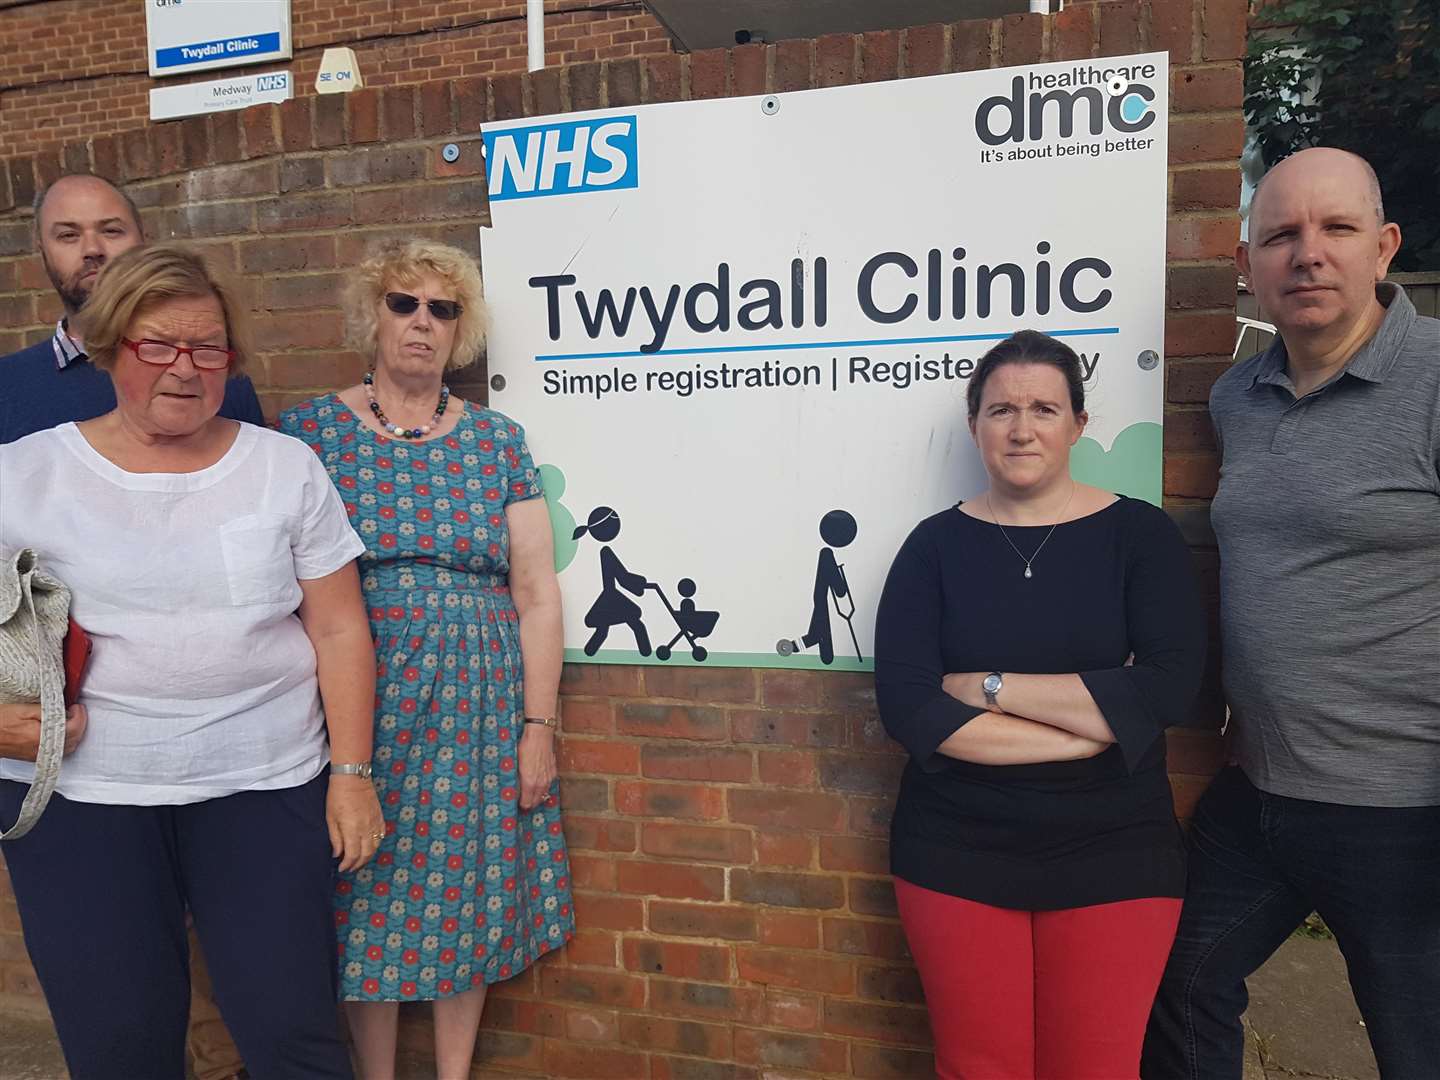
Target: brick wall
726, 826
77, 68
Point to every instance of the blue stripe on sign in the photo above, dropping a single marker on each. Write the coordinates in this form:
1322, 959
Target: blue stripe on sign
223, 49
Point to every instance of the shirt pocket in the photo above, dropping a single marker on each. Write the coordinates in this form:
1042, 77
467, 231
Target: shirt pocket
259, 567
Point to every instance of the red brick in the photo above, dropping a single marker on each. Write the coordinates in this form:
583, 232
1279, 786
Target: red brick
259, 128
731, 922
676, 882
1197, 238
925, 50
796, 1010
678, 959
592, 987
789, 768
471, 108
363, 106
1224, 27
622, 80
885, 1023
435, 114
670, 721
872, 1062
289, 253
792, 65
781, 889
1022, 39
520, 1014
899, 985
294, 125
592, 1025
705, 843
224, 137
1195, 139
835, 59
681, 1036
586, 89
786, 810
707, 74
165, 144
1172, 29
679, 762
471, 161
582, 755
1192, 476
1072, 33
972, 44
596, 872
796, 688
397, 113
1120, 24
599, 834
784, 849
700, 684
609, 680
579, 716
880, 55
591, 948
664, 78
786, 930
1191, 334
440, 201
1206, 89
787, 728
872, 896
297, 212
1190, 381
510, 1050
861, 774
302, 173
587, 1060
1189, 430
666, 1068
738, 1004
1192, 287
865, 937
815, 1054
689, 801
868, 733
136, 160
849, 853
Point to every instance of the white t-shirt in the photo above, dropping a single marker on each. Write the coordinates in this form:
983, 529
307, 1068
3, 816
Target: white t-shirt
202, 681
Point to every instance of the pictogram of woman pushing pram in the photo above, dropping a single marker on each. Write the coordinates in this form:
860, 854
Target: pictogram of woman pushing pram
613, 608
837, 529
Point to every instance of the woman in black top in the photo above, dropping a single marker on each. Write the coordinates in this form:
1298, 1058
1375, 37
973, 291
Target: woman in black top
1032, 646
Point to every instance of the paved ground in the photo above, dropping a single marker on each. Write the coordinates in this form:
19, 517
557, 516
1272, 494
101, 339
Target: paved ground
1302, 1020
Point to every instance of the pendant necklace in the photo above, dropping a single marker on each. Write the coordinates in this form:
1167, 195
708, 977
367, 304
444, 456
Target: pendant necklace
401, 432
1006, 535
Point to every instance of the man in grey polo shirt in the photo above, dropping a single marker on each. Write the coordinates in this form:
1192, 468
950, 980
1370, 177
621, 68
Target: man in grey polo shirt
1328, 520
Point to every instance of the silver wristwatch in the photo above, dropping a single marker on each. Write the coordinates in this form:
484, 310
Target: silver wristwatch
359, 768
992, 685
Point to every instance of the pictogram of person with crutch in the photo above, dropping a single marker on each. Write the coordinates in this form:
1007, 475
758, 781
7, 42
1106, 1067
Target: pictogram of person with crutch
837, 529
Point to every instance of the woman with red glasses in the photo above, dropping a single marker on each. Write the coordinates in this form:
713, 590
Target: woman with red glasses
213, 565
472, 882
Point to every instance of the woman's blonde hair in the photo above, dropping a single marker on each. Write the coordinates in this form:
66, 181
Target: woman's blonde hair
400, 264
138, 280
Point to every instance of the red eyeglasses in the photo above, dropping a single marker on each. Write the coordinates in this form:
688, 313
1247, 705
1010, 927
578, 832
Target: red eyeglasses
163, 354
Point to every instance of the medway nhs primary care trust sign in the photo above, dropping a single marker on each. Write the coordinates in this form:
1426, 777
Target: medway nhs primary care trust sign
739, 333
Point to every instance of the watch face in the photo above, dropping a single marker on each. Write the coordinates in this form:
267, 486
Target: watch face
991, 683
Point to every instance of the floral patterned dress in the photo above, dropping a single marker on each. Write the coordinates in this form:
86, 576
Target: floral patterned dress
466, 889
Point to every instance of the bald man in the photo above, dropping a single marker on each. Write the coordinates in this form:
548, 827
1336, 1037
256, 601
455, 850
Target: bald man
1328, 522
81, 223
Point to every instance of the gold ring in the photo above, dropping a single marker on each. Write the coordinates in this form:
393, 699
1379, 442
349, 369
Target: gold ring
377, 836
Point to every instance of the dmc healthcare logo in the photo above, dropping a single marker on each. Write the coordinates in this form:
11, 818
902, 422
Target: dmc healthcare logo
563, 159
1043, 105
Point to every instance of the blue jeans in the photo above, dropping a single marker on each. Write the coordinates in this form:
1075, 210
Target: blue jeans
1260, 863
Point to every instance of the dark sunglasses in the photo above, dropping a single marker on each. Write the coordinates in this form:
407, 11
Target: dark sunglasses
405, 304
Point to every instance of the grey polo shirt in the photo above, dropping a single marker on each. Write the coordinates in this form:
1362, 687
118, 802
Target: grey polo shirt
1328, 518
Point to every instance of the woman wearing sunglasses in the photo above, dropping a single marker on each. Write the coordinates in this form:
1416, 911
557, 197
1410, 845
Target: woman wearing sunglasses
213, 565
472, 882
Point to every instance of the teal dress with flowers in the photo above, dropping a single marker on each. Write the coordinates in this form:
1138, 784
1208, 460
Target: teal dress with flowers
466, 889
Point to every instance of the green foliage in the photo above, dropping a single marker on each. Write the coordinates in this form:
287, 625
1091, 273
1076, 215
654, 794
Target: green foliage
1374, 66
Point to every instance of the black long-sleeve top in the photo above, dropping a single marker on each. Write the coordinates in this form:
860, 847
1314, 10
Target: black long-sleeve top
1053, 835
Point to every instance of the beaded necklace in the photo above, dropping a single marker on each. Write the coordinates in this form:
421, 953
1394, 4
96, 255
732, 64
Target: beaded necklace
397, 431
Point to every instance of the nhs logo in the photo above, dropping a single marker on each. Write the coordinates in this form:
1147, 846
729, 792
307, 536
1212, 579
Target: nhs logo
562, 159
278, 81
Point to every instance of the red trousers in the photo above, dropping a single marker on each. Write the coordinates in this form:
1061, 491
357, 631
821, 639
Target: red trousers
1037, 995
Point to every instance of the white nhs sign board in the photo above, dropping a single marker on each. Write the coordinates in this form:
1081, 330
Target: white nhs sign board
220, 95
197, 35
599, 154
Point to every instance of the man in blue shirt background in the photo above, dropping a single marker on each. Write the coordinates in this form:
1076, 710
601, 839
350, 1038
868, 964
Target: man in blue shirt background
81, 222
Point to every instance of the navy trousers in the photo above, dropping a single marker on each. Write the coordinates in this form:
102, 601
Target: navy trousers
103, 891
1259, 863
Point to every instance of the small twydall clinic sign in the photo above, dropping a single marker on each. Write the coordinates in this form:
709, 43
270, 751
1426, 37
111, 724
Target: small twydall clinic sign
197, 35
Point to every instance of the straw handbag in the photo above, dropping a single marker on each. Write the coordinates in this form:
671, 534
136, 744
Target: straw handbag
34, 614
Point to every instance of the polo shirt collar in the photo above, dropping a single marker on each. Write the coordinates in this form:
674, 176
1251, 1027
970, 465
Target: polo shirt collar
67, 352
1371, 362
